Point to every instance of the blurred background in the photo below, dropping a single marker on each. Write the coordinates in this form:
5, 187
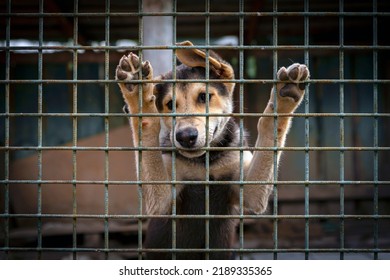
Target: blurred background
35, 48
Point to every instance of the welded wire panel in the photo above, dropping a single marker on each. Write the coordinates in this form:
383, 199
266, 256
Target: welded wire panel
330, 195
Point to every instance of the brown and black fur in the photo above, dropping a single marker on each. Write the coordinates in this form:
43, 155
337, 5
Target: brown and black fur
190, 233
189, 136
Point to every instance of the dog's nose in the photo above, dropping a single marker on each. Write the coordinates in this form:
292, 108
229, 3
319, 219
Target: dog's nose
187, 137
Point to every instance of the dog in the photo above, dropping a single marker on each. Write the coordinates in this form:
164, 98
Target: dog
190, 133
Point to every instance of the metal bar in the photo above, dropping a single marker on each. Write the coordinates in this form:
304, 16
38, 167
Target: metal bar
74, 129
275, 132
341, 123
33, 48
249, 251
140, 251
170, 149
241, 124
245, 81
198, 14
39, 132
173, 155
121, 115
106, 127
139, 163
207, 160
7, 135
307, 135
271, 182
214, 47
375, 110
204, 217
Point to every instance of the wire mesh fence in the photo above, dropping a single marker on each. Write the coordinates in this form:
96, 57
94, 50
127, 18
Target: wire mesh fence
71, 186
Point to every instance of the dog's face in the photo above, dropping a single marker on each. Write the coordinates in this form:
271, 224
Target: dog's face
191, 133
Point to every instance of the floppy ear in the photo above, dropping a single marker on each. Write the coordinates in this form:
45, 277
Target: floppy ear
197, 58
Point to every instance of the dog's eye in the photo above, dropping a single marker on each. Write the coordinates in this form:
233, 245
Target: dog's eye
169, 105
202, 97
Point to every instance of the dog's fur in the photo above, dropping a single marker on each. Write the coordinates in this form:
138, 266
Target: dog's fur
190, 135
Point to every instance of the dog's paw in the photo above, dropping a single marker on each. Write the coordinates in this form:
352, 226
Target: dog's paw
129, 69
293, 78
291, 87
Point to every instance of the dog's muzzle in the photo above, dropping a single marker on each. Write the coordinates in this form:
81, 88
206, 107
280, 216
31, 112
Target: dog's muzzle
187, 137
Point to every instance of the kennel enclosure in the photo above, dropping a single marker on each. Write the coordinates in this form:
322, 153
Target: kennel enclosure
69, 182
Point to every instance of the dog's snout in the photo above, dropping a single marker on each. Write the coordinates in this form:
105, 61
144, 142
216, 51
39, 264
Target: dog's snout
187, 137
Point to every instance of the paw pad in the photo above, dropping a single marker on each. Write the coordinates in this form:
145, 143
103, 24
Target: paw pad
129, 68
293, 77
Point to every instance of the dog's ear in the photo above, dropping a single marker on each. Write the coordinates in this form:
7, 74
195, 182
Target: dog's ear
197, 58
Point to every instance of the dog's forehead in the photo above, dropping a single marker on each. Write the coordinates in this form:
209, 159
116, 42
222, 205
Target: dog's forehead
184, 72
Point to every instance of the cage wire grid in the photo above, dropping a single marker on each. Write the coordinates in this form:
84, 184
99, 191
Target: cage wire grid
241, 81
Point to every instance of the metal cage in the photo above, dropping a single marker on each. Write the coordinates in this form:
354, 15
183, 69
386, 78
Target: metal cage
58, 88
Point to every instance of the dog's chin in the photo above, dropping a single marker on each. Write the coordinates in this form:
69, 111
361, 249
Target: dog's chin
191, 153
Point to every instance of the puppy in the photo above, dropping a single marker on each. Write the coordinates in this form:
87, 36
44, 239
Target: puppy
192, 133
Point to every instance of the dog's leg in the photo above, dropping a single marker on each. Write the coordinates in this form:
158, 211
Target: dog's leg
157, 197
290, 91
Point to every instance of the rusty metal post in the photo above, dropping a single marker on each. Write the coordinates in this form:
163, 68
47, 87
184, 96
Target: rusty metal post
157, 31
